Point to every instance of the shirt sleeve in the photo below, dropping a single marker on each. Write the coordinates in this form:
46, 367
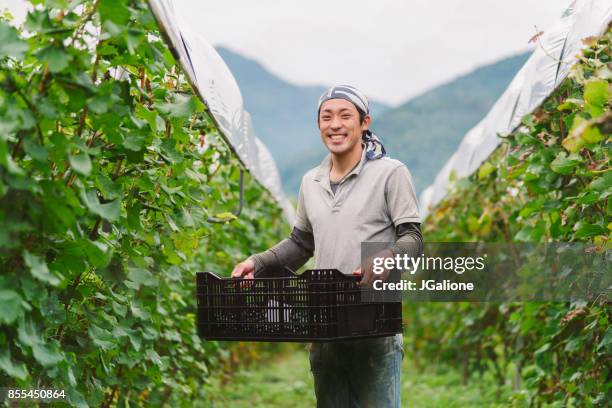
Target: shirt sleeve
400, 196
292, 252
301, 216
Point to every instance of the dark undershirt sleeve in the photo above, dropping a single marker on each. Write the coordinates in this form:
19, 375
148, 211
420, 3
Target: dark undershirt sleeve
409, 239
292, 252
412, 228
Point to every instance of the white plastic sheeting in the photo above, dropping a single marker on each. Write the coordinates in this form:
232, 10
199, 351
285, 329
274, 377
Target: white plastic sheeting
215, 84
549, 64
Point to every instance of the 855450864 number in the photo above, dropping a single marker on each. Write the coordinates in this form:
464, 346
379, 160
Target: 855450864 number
39, 394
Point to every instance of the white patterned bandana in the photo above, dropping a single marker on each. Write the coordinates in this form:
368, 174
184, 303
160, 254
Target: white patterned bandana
374, 148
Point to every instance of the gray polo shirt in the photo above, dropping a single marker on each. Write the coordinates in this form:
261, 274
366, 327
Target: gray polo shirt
369, 202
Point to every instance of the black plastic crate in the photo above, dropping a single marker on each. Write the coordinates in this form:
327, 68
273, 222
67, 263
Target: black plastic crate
318, 305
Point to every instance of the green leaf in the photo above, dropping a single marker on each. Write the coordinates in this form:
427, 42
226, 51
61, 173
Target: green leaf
56, 58
225, 216
591, 134
135, 339
570, 104
525, 234
564, 164
115, 11
39, 269
182, 107
119, 309
76, 398
133, 39
142, 277
107, 187
10, 305
542, 349
139, 312
573, 345
48, 354
109, 211
10, 43
154, 357
586, 230
81, 163
596, 95
7, 161
98, 253
133, 217
35, 150
531, 207
588, 197
149, 116
169, 151
134, 142
18, 371
106, 50
57, 3
99, 104
603, 183
101, 337
486, 169
582, 132
606, 341
28, 333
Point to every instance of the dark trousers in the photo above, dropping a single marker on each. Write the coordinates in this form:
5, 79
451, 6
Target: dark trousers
358, 373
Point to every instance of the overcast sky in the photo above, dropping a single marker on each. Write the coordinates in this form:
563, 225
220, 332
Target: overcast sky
392, 49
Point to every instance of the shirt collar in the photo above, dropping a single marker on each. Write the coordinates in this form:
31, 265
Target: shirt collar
322, 174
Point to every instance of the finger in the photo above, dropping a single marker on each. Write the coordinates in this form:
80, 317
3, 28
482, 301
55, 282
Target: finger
237, 272
249, 283
245, 283
357, 274
367, 279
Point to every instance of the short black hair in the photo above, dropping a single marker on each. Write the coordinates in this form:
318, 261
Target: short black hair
362, 115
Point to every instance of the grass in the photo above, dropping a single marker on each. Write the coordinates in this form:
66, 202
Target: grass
283, 381
286, 381
443, 387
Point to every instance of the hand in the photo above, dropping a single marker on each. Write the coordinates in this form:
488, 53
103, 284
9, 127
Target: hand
367, 270
245, 269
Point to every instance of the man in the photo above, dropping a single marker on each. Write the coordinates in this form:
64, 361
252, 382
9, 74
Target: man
357, 194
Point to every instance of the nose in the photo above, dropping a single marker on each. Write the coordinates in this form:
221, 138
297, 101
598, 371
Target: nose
335, 123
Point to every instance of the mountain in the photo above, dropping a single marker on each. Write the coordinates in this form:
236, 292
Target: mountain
284, 116
422, 132
426, 130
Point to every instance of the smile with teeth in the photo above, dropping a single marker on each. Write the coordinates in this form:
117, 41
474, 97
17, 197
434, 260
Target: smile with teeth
337, 137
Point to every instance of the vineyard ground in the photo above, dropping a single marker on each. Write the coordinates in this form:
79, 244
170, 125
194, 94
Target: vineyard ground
286, 381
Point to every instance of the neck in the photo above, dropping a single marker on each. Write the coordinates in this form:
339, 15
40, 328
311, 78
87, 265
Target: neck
341, 165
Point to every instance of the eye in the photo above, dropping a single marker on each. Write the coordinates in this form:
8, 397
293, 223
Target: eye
346, 116
325, 117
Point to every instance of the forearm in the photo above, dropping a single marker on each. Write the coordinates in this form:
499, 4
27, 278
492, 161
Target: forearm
292, 252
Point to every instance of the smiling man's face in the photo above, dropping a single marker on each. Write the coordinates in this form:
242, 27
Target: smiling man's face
340, 128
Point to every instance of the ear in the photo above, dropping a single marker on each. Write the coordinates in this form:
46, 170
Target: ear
366, 122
